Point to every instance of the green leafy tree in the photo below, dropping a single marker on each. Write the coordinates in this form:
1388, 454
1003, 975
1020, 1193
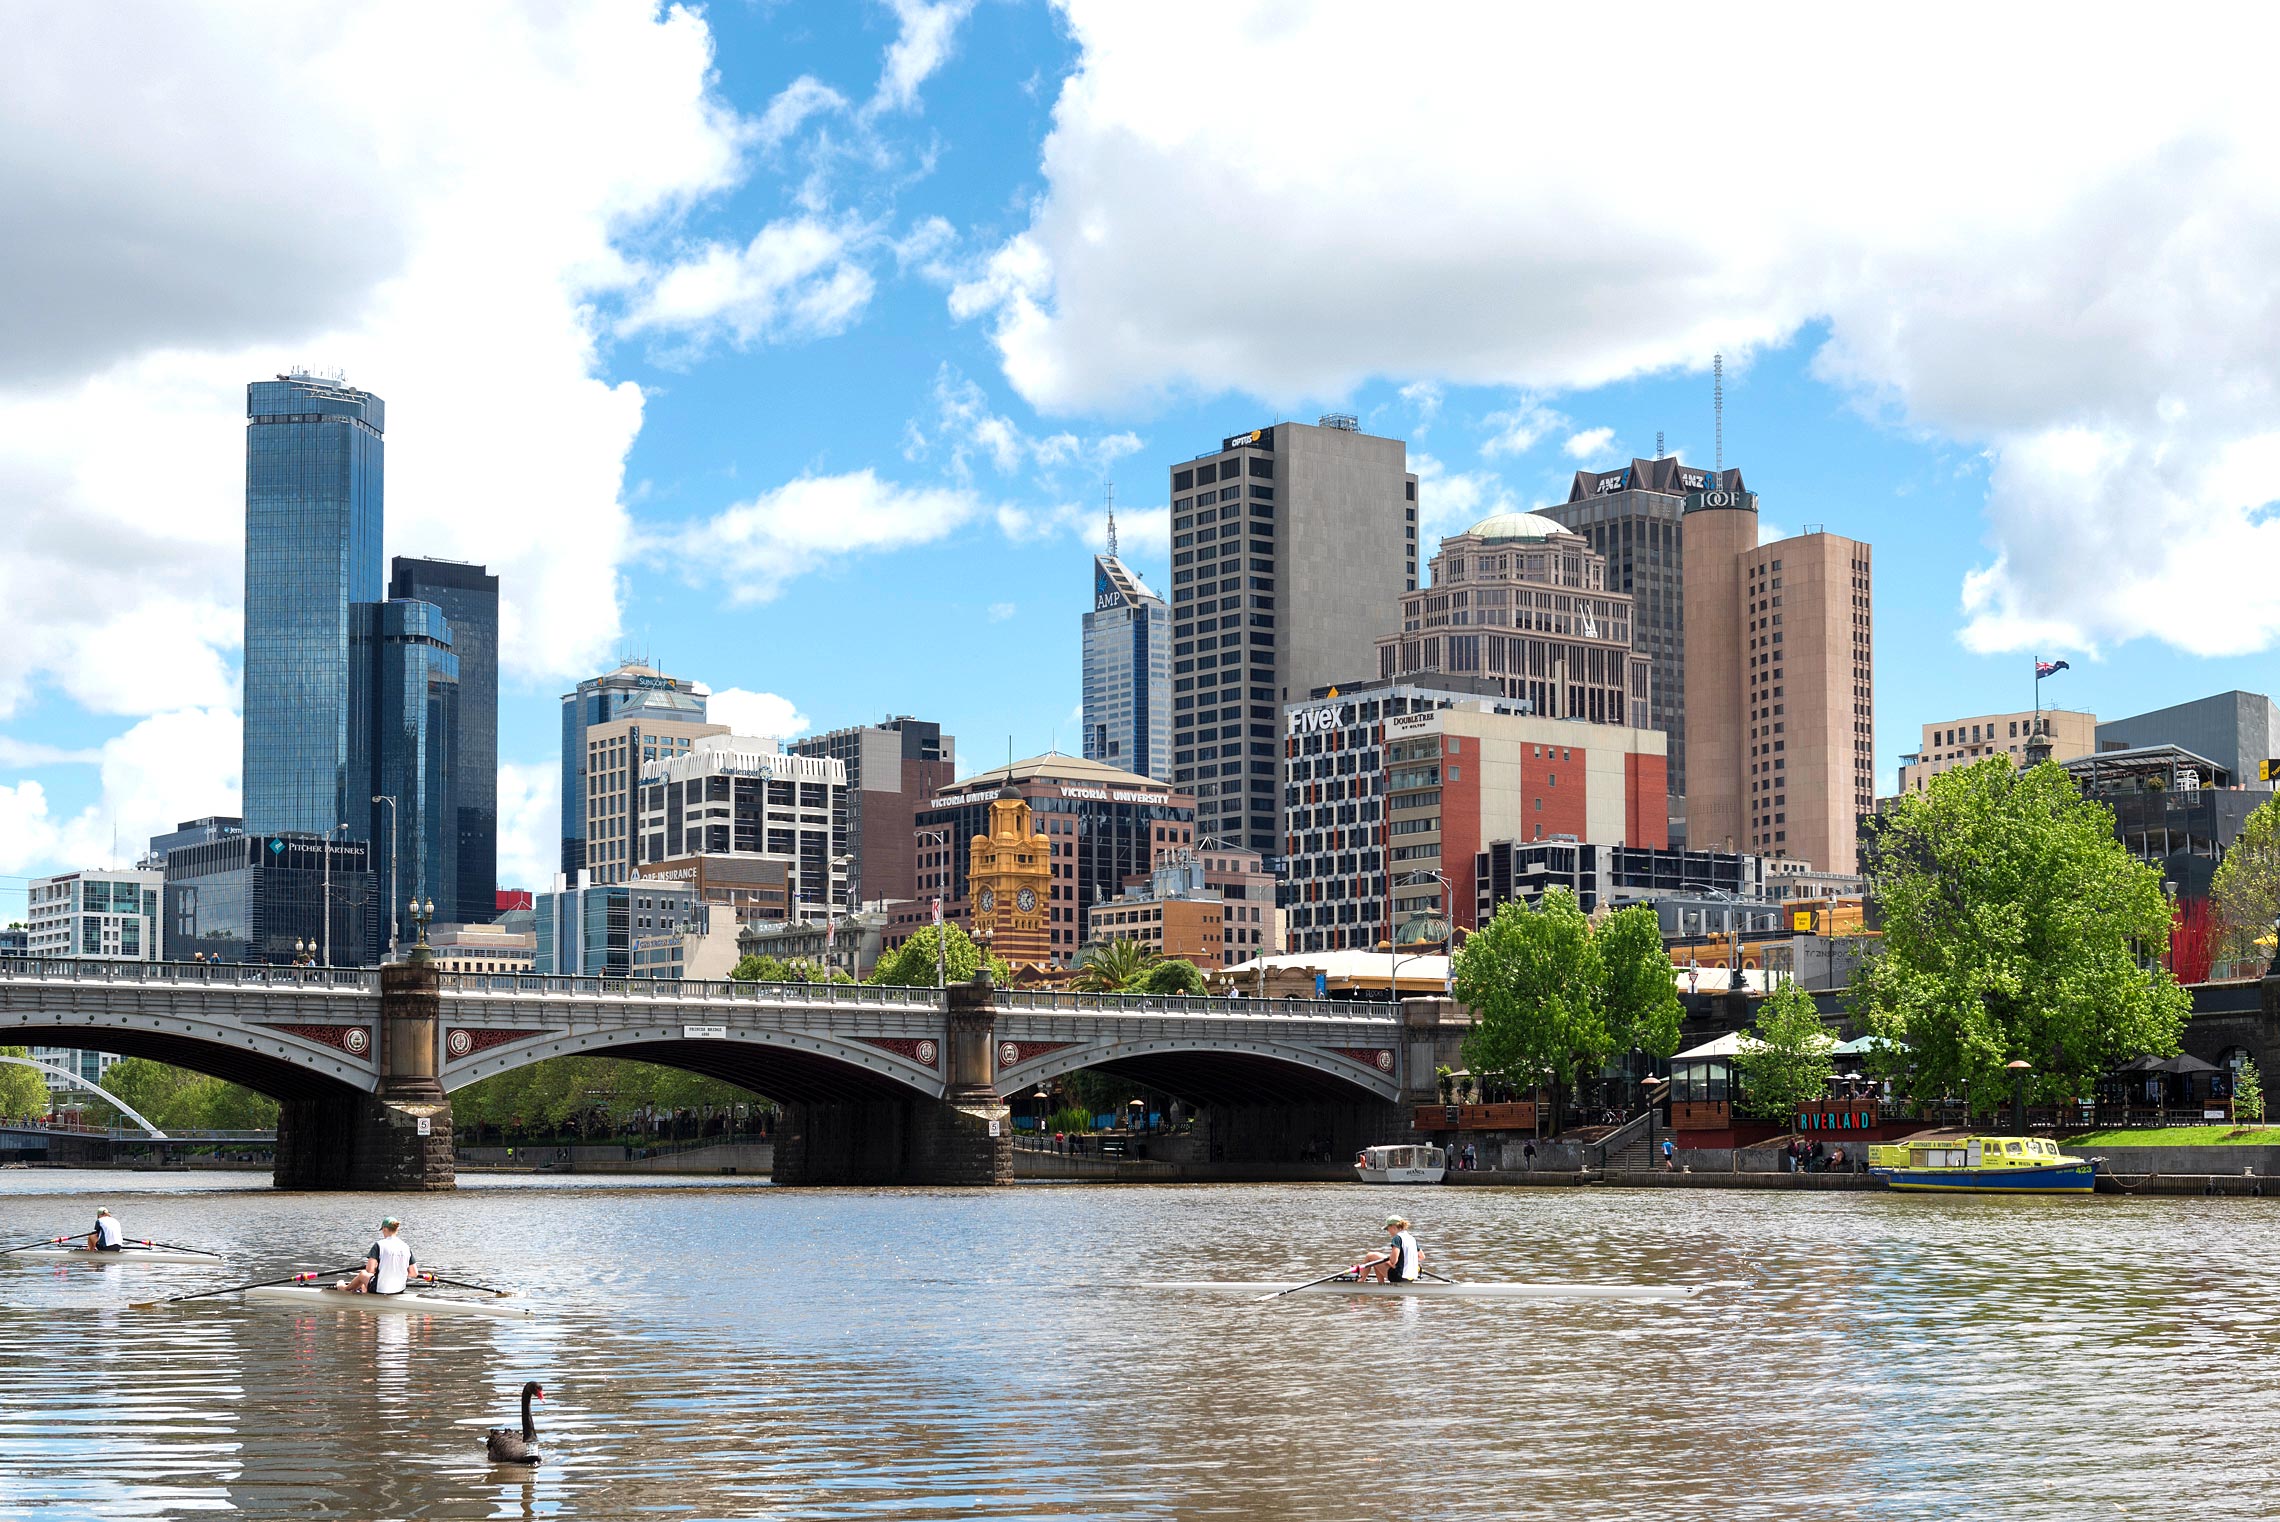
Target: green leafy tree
23, 1091
2015, 927
2245, 893
2248, 1094
1537, 988
911, 965
1643, 1008
1113, 967
761, 969
1783, 1058
1173, 975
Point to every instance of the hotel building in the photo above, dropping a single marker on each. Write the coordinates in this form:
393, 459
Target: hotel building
1960, 742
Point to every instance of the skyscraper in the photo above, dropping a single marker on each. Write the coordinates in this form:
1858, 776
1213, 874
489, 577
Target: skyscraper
894, 769
1632, 516
313, 466
404, 722
1127, 676
598, 700
1291, 548
469, 598
1781, 686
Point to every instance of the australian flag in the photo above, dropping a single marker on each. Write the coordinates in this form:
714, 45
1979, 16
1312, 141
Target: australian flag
2048, 668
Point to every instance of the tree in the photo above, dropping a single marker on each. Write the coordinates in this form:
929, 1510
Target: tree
761, 969
1173, 975
1537, 988
2015, 927
1643, 1008
2245, 893
23, 1091
1783, 1059
2248, 1093
911, 965
1113, 967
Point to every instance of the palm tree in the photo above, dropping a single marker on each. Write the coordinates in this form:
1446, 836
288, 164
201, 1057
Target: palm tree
1113, 967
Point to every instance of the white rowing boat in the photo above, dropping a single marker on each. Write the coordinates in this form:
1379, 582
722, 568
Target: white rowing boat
409, 1304
123, 1255
1435, 1289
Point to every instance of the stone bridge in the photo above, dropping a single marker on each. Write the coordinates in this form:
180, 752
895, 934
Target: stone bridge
878, 1085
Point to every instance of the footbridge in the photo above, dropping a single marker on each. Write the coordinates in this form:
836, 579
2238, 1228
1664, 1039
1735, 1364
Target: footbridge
878, 1085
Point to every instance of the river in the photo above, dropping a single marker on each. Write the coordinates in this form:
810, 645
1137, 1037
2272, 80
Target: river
718, 1350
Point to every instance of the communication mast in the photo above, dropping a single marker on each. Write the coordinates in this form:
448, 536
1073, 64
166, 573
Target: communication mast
1112, 520
1658, 443
1718, 407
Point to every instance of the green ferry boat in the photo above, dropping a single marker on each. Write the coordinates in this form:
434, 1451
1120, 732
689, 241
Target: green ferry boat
1983, 1165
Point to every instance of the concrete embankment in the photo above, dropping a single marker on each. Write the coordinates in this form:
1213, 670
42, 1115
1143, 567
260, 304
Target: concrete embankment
731, 1157
1137, 1170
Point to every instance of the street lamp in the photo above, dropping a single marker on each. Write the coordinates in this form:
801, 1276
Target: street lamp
2019, 1069
422, 912
395, 849
1392, 991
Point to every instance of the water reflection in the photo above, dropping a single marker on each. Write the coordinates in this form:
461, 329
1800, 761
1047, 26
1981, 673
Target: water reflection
737, 1351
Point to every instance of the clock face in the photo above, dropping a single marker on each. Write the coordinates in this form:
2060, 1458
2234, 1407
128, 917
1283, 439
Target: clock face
989, 900
1026, 899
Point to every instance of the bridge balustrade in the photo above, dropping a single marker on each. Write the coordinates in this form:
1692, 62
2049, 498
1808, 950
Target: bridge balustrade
231, 974
1040, 1002
688, 990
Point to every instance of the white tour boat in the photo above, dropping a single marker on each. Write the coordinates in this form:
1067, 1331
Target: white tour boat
1441, 1289
1402, 1165
309, 1297
128, 1254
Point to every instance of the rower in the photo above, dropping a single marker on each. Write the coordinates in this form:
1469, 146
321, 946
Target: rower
388, 1264
108, 1235
1399, 1263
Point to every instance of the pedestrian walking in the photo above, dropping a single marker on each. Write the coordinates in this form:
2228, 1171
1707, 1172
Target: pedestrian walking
1528, 1153
1472, 1158
1669, 1163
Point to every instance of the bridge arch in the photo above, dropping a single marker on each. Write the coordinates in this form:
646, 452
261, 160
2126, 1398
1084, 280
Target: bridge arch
78, 1082
1212, 1070
790, 1067
272, 1062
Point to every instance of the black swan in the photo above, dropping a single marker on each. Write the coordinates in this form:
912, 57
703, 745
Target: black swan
507, 1446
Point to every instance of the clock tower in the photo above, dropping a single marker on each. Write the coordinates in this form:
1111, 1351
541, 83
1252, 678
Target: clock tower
1009, 882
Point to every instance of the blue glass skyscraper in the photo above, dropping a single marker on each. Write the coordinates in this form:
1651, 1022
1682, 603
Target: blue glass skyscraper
403, 724
469, 598
313, 466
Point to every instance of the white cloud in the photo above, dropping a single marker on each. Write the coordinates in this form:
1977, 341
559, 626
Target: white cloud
755, 713
1590, 444
757, 546
965, 428
1001, 611
797, 278
530, 824
1449, 501
804, 97
170, 767
441, 220
2080, 258
1520, 429
922, 44
1424, 399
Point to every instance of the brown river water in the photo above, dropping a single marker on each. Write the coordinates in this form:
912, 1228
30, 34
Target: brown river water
744, 1351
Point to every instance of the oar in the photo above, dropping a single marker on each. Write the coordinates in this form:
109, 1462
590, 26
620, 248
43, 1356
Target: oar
1444, 1278
43, 1242
177, 1247
1309, 1284
488, 1289
231, 1289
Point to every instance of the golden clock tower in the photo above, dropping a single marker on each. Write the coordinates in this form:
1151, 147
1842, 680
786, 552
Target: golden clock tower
1009, 881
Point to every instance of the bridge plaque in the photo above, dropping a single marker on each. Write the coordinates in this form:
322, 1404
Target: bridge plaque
704, 1033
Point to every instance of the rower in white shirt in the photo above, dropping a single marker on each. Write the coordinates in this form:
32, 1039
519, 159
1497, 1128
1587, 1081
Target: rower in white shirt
388, 1264
1399, 1263
108, 1235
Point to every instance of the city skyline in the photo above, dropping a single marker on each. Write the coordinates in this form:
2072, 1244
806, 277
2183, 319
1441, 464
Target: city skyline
830, 437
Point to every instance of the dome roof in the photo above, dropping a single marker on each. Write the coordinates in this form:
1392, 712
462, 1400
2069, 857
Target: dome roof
1516, 526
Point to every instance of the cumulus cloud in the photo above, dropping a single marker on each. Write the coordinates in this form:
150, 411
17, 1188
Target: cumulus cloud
804, 97
756, 547
170, 767
1001, 611
1590, 444
1449, 501
530, 823
2085, 265
965, 428
797, 278
441, 220
1521, 428
924, 36
755, 713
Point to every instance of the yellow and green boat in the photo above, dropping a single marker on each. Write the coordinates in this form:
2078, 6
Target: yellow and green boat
1983, 1165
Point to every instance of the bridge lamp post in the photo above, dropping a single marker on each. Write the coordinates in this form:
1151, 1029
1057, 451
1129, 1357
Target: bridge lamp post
1422, 874
423, 914
395, 849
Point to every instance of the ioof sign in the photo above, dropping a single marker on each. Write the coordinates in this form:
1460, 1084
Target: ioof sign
704, 1033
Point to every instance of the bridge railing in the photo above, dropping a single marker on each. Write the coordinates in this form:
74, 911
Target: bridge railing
1056, 1002
220, 974
687, 990
128, 1134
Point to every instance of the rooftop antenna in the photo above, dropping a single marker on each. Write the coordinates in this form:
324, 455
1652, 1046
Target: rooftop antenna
1112, 520
1718, 407
1658, 443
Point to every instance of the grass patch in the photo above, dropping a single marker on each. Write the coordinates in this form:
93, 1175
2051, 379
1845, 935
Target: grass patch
2181, 1136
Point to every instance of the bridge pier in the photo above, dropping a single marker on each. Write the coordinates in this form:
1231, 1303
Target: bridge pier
396, 1139
963, 1138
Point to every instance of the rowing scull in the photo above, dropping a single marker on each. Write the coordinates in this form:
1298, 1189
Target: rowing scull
1432, 1289
123, 1255
404, 1304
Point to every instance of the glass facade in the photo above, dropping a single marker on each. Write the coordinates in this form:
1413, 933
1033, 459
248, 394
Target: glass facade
251, 897
595, 932
1127, 671
313, 466
405, 719
469, 598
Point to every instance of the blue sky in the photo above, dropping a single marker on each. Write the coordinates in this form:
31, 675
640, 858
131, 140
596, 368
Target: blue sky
796, 344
